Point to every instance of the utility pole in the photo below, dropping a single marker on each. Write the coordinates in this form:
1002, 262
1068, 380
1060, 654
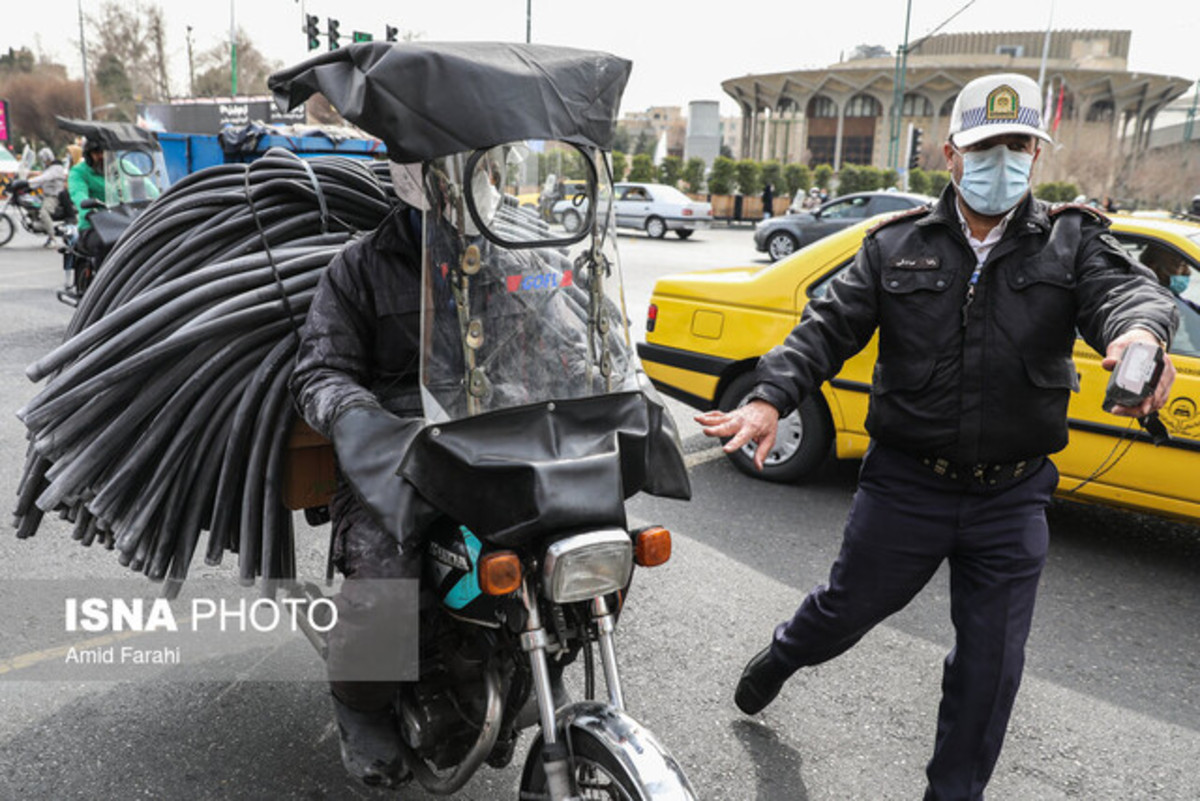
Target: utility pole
901, 75
1191, 115
87, 84
191, 65
528, 21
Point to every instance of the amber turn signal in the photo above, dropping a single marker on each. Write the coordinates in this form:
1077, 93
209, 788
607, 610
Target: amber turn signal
653, 546
500, 573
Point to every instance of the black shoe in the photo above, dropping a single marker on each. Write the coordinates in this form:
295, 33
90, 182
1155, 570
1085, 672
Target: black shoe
370, 745
761, 681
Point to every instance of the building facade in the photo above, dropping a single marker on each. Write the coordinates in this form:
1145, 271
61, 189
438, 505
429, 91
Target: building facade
843, 114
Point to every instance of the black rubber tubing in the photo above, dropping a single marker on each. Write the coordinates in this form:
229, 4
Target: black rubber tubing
167, 411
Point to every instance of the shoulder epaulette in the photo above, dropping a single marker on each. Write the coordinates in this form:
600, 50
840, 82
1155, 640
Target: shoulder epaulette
1095, 213
917, 211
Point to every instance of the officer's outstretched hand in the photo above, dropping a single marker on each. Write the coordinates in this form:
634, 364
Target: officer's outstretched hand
755, 422
1161, 392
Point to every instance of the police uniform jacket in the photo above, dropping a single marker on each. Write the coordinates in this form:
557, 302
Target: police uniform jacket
986, 381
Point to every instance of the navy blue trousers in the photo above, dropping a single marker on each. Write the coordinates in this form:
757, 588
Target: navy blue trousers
904, 521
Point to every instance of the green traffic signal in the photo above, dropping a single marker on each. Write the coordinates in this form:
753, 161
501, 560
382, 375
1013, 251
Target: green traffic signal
312, 30
331, 30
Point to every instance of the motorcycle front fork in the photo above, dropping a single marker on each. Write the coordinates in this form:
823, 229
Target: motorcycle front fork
535, 641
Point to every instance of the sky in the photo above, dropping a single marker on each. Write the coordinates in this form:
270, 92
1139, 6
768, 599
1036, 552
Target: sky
680, 51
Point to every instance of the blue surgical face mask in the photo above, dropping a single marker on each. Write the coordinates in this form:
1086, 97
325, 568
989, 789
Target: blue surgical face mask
994, 180
1179, 284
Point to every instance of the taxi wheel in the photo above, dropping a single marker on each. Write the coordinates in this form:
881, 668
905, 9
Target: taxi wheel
781, 245
656, 228
801, 443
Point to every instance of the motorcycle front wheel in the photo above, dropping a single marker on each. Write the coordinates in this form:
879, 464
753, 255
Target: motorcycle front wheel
599, 775
7, 229
613, 758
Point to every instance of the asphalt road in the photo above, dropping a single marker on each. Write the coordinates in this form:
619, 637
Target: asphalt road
1110, 707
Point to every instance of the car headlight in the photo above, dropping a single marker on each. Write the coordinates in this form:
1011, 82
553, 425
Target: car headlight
588, 565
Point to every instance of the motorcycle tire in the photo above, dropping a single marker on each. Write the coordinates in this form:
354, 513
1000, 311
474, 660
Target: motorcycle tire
7, 229
598, 772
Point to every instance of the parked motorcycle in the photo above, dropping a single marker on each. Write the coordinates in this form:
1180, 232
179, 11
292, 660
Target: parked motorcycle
537, 424
135, 174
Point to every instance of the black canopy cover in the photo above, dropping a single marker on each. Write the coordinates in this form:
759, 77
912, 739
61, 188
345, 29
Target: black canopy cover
112, 135
426, 100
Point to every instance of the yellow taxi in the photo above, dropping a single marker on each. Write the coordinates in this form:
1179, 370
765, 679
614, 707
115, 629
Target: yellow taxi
706, 330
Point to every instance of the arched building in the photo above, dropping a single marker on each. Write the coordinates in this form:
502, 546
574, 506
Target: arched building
841, 114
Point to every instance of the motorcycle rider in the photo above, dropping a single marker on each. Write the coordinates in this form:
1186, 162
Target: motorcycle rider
51, 182
86, 181
356, 371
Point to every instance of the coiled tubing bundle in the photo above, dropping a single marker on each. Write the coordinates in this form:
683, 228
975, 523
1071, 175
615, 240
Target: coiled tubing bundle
165, 412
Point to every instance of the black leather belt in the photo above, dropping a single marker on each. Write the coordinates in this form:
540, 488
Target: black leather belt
982, 473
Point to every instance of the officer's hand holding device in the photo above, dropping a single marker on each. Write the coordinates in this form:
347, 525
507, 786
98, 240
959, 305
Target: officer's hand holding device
1134, 379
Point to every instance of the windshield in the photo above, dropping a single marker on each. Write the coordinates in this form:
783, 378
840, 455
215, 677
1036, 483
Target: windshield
133, 175
519, 309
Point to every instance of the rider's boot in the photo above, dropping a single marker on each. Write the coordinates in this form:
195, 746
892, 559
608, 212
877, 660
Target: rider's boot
370, 744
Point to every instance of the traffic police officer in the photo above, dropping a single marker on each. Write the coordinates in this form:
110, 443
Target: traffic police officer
977, 300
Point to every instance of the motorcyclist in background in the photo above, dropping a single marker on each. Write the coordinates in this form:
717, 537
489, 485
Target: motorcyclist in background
86, 181
51, 182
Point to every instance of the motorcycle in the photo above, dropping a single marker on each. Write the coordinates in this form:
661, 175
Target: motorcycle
135, 174
537, 424
25, 204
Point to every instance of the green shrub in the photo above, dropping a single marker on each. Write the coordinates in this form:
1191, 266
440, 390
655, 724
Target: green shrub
918, 181
937, 181
620, 165
693, 174
670, 170
643, 169
1056, 191
749, 177
720, 179
851, 178
823, 175
798, 178
772, 173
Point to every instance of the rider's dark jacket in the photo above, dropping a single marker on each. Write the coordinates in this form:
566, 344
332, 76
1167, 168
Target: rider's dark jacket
360, 344
986, 381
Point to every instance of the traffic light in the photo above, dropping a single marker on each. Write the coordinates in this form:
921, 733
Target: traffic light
359, 36
391, 33
331, 30
312, 30
914, 153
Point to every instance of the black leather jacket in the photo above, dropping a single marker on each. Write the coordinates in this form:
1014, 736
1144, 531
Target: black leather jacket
360, 344
988, 384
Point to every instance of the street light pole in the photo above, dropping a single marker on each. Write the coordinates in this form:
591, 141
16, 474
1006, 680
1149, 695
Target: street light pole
898, 95
232, 50
528, 21
87, 84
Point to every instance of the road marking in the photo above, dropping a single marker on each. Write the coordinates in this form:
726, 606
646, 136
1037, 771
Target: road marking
697, 458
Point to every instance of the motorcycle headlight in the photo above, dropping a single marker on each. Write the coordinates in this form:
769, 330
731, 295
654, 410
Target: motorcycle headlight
585, 566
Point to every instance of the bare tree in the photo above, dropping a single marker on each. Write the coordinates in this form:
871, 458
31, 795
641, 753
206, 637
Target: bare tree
214, 80
34, 98
130, 37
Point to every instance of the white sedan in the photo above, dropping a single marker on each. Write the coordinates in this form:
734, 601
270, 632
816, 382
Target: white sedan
653, 208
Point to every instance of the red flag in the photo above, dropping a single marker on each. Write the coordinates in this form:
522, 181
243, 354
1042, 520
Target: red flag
1058, 109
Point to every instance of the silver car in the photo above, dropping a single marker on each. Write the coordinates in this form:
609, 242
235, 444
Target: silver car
653, 208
